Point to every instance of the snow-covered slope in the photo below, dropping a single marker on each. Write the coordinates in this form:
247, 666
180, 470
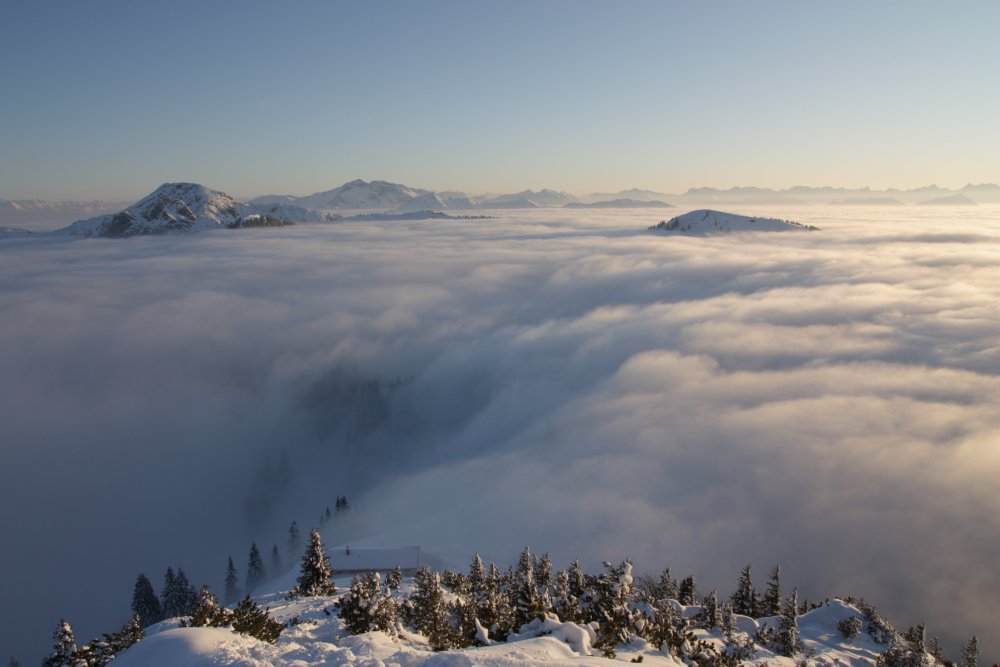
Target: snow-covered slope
703, 222
183, 207
952, 200
621, 203
360, 194
315, 636
13, 232
427, 202
543, 197
23, 211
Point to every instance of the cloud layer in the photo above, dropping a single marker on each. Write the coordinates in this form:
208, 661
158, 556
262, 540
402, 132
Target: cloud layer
826, 401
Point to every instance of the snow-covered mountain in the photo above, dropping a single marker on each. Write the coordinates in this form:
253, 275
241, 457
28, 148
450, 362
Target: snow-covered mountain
354, 195
950, 200
431, 201
621, 203
183, 207
631, 193
706, 222
530, 199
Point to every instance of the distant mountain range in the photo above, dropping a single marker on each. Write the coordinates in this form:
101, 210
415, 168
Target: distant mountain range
187, 206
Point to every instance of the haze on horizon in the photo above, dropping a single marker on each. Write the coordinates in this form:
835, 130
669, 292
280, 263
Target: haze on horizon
108, 100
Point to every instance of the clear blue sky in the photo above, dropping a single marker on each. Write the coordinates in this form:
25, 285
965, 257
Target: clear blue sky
108, 99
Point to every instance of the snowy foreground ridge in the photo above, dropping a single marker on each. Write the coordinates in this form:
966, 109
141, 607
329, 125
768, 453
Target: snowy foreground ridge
708, 222
315, 635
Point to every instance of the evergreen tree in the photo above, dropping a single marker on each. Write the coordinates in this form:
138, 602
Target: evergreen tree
145, 604
687, 593
208, 612
249, 619
612, 607
430, 614
667, 588
256, 572
543, 573
171, 597
294, 541
709, 616
232, 590
367, 607
744, 598
394, 578
787, 640
525, 599
277, 567
315, 573
771, 604
934, 648
64, 649
564, 604
970, 653
13, 662
727, 619
186, 594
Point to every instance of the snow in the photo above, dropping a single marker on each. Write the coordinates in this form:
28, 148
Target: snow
706, 222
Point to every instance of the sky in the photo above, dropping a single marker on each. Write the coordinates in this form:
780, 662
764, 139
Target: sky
106, 99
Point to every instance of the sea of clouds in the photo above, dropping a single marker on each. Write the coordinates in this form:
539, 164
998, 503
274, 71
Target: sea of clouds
570, 381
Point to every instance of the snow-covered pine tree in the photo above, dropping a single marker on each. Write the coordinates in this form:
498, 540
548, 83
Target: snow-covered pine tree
970, 653
430, 613
496, 615
543, 573
564, 604
64, 648
771, 603
131, 633
277, 566
294, 542
787, 642
709, 616
934, 648
314, 577
687, 593
249, 619
367, 607
232, 587
727, 619
393, 578
525, 598
145, 604
612, 607
667, 586
744, 598
256, 572
208, 612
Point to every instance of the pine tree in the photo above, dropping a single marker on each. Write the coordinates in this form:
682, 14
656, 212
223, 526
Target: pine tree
394, 578
525, 598
727, 619
543, 573
744, 598
232, 590
367, 607
145, 604
315, 574
277, 567
934, 648
208, 612
709, 616
564, 604
294, 541
787, 640
687, 593
171, 598
256, 572
970, 653
430, 614
667, 586
612, 607
13, 662
249, 619
64, 648
186, 594
771, 604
